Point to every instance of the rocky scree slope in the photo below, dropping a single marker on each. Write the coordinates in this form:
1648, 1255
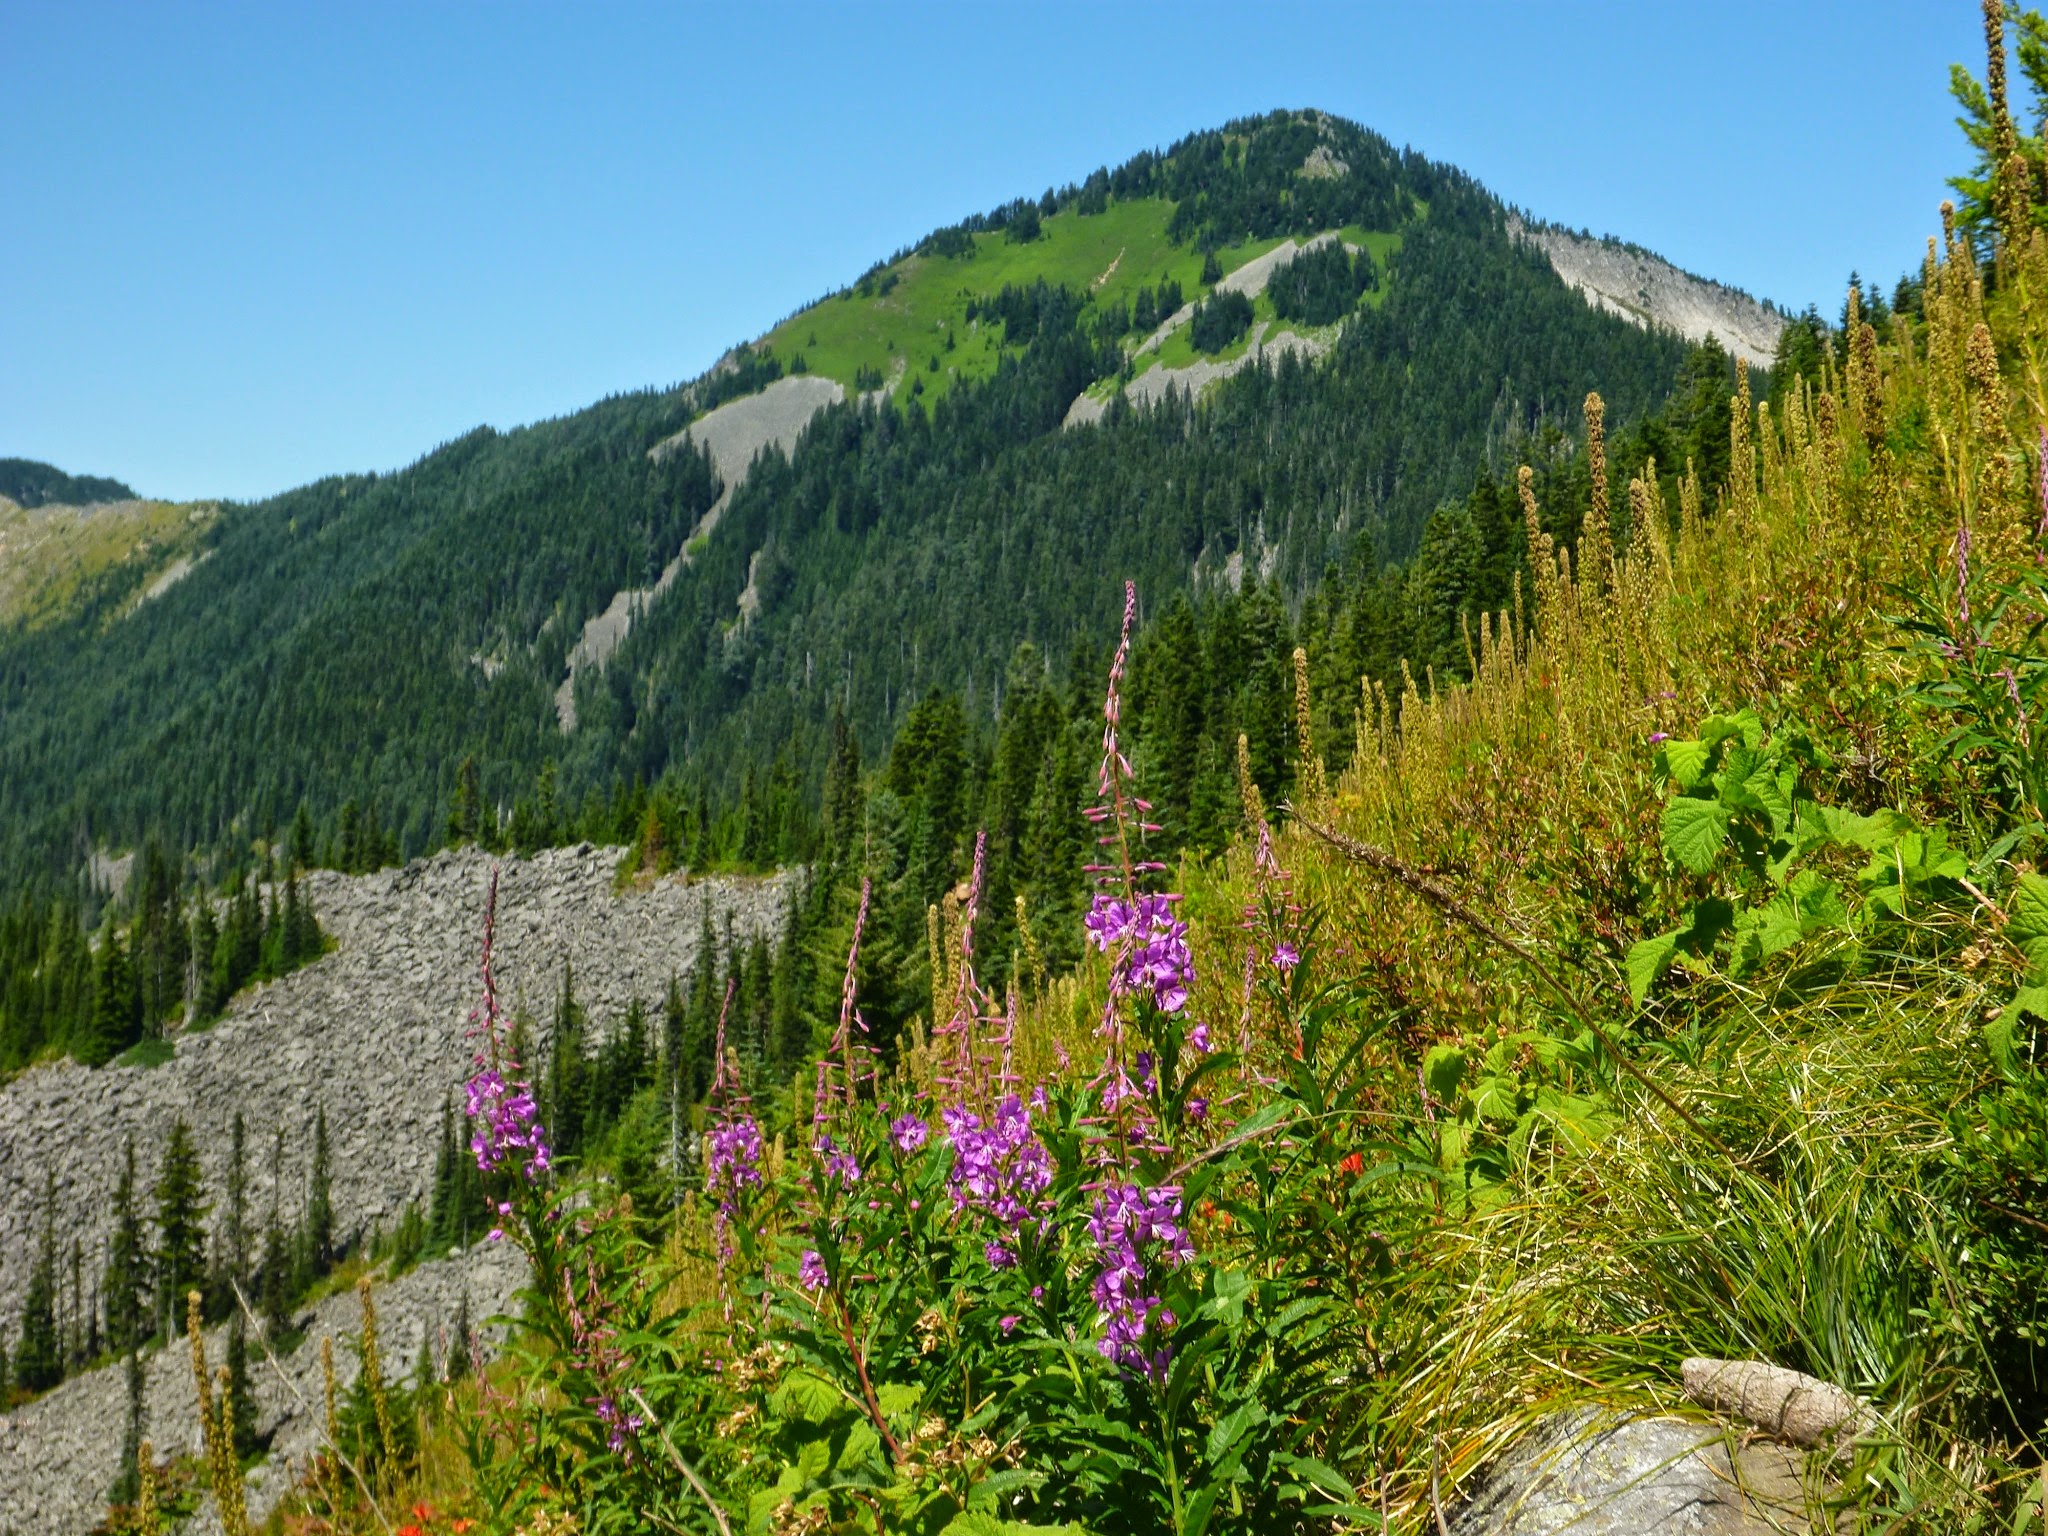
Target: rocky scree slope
372, 1032
58, 1454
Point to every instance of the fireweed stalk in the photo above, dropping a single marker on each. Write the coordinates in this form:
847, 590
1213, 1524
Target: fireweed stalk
835, 1171
732, 1160
1138, 1228
1001, 1169
501, 1106
573, 1315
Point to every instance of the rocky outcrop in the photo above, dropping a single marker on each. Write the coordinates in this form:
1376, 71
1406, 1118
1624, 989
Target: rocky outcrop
372, 1033
1584, 1474
59, 1454
1656, 295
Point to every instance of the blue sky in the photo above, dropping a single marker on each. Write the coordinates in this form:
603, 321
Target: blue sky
246, 246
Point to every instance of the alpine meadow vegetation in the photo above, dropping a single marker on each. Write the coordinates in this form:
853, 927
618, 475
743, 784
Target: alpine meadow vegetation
1268, 1130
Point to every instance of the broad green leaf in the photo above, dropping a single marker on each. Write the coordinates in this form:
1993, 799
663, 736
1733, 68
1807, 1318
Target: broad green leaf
977, 1522
899, 1399
1232, 1288
1694, 832
1317, 1474
1443, 1068
2000, 1035
1846, 829
1647, 960
1230, 1429
2029, 926
1742, 726
1685, 761
1773, 792
1805, 907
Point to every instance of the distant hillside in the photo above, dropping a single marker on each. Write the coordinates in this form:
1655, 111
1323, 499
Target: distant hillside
359, 637
34, 484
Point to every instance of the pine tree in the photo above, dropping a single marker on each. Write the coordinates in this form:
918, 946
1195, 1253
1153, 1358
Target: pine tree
243, 1429
208, 997
277, 1253
115, 1022
126, 1287
464, 805
443, 1203
349, 856
568, 1086
291, 939
181, 1210
39, 1359
231, 1255
76, 1343
302, 838
317, 1230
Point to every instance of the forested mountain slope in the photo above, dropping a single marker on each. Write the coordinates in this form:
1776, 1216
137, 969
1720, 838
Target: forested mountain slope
359, 637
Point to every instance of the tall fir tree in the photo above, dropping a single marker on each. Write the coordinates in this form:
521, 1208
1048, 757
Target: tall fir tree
316, 1231
231, 1243
125, 1289
39, 1358
181, 1210
116, 1016
567, 1097
277, 1275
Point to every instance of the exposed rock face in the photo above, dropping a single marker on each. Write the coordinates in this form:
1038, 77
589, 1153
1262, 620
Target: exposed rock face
372, 1032
1587, 1475
58, 1455
734, 435
1251, 280
1653, 293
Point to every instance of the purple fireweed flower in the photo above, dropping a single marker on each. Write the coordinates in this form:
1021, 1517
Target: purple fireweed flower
997, 1255
507, 1121
839, 1164
909, 1132
734, 1163
1657, 737
620, 1426
2012, 691
1008, 1321
1198, 1037
1138, 1234
1149, 945
1000, 1168
1285, 957
810, 1271
507, 1124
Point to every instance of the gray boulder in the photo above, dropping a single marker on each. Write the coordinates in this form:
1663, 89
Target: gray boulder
1585, 1473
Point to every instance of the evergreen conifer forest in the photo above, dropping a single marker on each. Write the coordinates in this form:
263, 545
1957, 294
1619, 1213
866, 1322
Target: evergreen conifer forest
1421, 890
